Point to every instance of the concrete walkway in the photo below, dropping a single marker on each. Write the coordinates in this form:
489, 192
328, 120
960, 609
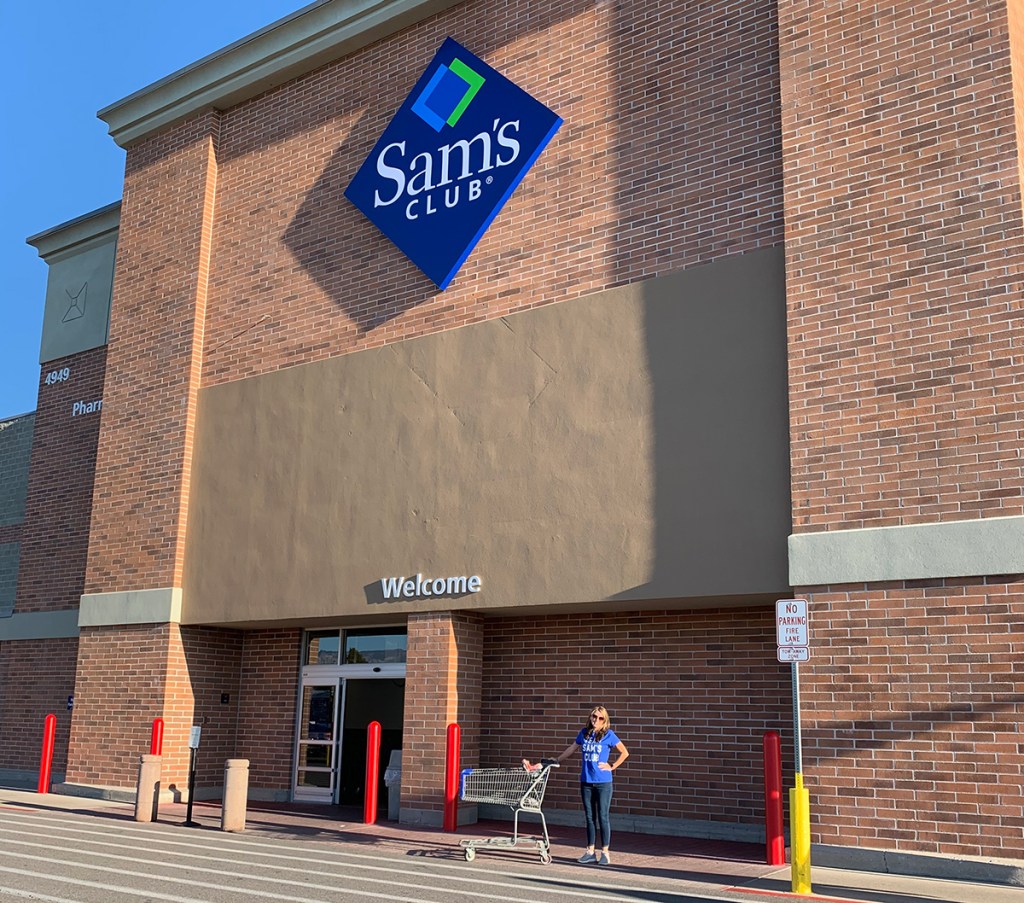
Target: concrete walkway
733, 868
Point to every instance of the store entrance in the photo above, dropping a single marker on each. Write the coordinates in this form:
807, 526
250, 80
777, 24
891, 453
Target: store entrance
333, 730
350, 678
366, 701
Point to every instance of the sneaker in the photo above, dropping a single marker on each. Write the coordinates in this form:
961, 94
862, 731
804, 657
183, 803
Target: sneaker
603, 859
587, 857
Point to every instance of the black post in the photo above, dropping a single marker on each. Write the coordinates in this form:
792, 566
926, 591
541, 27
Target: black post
191, 787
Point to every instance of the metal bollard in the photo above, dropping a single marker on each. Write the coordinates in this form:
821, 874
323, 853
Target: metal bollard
46, 761
775, 841
453, 755
236, 794
147, 791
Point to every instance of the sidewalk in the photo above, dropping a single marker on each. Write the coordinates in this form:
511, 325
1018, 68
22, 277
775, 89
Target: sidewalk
729, 867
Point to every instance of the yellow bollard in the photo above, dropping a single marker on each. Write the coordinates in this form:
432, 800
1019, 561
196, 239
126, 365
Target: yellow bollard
800, 827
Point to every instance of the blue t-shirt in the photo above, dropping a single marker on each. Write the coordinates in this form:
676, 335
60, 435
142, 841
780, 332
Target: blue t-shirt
594, 753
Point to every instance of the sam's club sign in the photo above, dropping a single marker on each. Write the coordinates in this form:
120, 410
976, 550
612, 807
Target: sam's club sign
453, 154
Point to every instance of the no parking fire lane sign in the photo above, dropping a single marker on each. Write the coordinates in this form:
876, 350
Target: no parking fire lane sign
791, 630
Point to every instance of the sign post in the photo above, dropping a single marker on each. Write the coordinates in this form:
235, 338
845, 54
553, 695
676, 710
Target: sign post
193, 747
792, 635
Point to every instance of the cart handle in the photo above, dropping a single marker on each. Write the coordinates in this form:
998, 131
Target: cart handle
543, 763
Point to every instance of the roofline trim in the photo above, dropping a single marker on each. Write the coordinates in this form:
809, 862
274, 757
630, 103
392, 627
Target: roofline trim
310, 37
75, 231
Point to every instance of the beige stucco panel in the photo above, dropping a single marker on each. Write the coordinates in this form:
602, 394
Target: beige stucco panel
521, 449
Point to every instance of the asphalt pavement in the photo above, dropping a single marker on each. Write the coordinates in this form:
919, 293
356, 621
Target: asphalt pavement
63, 849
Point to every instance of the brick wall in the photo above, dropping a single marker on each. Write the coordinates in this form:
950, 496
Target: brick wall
58, 505
912, 706
669, 157
204, 664
904, 262
266, 717
690, 694
129, 675
119, 690
37, 676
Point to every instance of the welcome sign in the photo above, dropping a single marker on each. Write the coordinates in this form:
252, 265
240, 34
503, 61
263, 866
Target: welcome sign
450, 158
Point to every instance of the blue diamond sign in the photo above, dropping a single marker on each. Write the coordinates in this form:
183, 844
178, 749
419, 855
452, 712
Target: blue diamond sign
449, 159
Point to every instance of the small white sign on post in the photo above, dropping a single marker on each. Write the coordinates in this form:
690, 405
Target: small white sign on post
791, 630
793, 654
193, 737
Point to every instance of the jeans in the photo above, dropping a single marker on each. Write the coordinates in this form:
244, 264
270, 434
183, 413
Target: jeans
597, 802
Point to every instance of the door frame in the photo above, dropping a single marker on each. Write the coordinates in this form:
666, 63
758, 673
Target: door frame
325, 675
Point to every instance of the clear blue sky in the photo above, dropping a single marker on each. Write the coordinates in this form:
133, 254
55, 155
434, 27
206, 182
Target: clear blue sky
60, 63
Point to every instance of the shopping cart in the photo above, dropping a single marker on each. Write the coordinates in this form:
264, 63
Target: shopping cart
521, 790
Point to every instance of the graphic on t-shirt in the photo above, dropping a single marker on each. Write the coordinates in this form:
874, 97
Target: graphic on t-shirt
595, 752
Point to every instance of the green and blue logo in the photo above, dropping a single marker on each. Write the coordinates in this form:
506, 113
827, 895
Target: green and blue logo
449, 159
450, 90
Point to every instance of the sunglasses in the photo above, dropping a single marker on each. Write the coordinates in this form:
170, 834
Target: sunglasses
597, 717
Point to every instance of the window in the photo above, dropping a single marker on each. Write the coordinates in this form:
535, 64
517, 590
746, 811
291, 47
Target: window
375, 646
322, 647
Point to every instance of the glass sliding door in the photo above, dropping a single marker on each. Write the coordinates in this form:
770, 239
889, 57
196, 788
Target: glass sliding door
368, 665
316, 771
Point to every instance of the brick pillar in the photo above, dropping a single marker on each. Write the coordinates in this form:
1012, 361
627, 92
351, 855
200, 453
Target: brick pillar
144, 454
904, 274
904, 262
130, 674
442, 686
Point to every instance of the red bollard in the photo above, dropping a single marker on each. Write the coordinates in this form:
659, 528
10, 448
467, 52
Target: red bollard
45, 764
372, 770
156, 738
775, 841
451, 778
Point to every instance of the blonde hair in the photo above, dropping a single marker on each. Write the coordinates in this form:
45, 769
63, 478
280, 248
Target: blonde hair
601, 729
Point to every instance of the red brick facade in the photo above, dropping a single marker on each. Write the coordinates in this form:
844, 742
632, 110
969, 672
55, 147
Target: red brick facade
36, 679
266, 712
58, 507
691, 694
912, 717
880, 146
904, 247
157, 315
443, 674
285, 287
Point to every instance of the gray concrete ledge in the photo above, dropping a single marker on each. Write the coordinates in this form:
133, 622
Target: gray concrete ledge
971, 548
96, 792
20, 779
144, 606
268, 795
313, 36
40, 625
168, 793
88, 227
975, 869
665, 827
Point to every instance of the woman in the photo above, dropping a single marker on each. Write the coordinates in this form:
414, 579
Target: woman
597, 739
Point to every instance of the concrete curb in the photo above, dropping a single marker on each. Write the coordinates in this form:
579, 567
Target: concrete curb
977, 869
